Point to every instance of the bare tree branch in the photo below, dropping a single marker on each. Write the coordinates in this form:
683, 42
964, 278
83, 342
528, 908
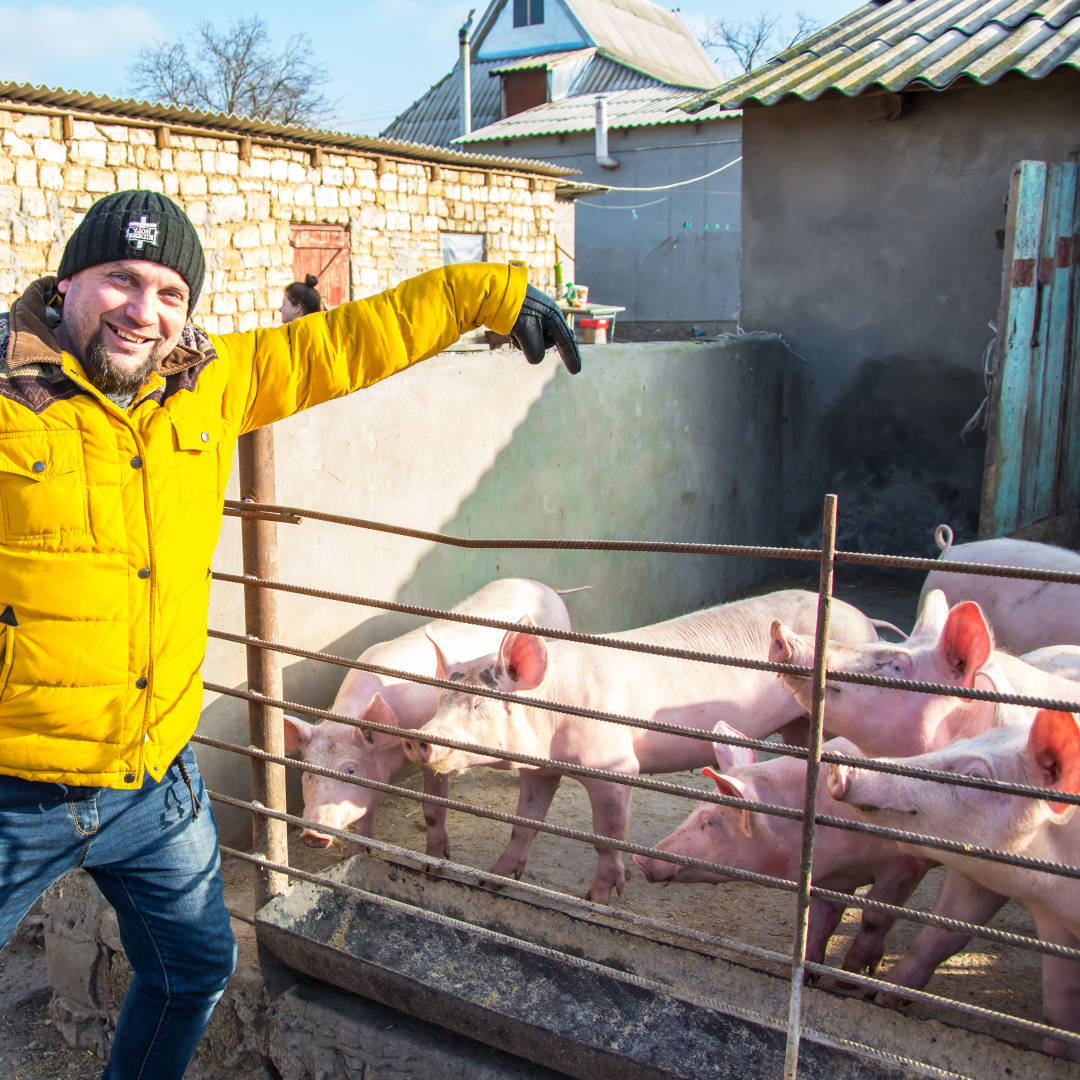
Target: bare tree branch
751, 41
235, 71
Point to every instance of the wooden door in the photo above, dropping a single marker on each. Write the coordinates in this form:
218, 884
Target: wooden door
1032, 474
323, 250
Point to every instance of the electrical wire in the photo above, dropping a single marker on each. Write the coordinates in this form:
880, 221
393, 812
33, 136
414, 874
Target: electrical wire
677, 183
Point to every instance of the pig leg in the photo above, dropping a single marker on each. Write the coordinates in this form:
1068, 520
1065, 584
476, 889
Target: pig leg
894, 886
610, 814
438, 839
824, 918
535, 792
364, 826
961, 898
1061, 987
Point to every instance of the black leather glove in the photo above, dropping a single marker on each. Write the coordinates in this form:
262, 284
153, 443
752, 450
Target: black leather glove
540, 324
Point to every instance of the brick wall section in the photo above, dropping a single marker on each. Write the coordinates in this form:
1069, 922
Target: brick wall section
394, 209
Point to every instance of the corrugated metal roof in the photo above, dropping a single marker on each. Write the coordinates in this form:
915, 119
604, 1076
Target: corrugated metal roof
648, 37
545, 60
103, 107
895, 44
625, 108
603, 74
635, 43
436, 117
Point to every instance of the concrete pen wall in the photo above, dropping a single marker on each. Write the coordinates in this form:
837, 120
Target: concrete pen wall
651, 442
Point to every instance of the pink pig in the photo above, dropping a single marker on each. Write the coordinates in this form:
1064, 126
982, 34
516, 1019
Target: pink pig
1044, 753
767, 844
377, 756
952, 647
947, 646
1025, 614
687, 693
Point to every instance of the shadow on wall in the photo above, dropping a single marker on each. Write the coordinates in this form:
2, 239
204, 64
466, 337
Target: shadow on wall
893, 453
661, 441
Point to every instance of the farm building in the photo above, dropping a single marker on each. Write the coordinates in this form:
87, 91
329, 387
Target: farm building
877, 163
664, 249
663, 241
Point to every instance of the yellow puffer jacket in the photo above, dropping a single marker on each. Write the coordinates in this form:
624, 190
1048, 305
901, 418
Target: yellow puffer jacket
109, 517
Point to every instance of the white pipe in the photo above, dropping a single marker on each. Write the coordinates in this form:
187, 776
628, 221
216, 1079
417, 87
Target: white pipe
466, 76
603, 159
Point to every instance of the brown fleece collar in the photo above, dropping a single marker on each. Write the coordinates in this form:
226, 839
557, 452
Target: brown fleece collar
33, 341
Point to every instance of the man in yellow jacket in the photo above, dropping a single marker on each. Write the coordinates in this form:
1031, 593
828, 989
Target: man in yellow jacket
118, 419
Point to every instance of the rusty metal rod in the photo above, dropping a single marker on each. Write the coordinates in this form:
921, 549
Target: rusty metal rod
813, 768
754, 551
856, 900
573, 769
255, 457
859, 678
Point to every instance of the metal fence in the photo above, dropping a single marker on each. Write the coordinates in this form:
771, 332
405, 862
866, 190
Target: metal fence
267, 806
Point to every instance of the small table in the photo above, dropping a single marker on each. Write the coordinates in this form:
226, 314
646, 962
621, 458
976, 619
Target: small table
593, 311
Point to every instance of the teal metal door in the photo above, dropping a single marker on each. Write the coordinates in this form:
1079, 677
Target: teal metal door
1032, 471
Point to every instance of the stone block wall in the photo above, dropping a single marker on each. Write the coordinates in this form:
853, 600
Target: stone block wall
243, 196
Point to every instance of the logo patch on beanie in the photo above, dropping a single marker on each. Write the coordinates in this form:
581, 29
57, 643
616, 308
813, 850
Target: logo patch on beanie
142, 232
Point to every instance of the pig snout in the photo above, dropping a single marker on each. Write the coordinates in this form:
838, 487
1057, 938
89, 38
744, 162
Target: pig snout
655, 869
417, 750
316, 839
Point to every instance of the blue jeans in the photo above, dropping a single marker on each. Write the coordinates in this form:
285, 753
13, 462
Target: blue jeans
159, 867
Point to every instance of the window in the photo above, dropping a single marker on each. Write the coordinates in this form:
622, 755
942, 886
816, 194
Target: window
528, 12
462, 247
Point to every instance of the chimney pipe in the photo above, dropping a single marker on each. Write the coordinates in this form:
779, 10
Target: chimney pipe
603, 159
466, 75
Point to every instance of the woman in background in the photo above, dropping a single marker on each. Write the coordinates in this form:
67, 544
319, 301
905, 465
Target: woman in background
301, 298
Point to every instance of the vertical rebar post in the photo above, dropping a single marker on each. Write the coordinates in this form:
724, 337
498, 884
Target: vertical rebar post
813, 769
266, 729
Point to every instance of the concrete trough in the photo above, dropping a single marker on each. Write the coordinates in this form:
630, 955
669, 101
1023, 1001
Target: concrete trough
581, 995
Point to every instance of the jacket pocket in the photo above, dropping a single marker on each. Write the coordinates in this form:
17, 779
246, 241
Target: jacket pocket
8, 630
43, 494
196, 438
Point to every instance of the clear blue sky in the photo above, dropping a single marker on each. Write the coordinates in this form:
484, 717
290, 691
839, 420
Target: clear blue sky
380, 54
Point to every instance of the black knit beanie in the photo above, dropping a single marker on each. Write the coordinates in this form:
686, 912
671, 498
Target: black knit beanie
136, 225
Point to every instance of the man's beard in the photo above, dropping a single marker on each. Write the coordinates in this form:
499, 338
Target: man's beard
103, 374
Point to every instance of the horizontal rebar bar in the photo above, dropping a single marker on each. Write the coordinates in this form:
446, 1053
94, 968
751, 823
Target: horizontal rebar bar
502, 754
661, 546
592, 839
603, 641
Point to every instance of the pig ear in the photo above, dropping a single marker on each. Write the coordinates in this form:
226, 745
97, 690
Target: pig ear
442, 668
933, 612
727, 755
523, 660
1054, 743
780, 646
966, 642
378, 712
297, 734
726, 787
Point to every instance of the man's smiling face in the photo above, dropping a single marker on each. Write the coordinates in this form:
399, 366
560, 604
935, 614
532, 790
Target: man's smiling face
121, 319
